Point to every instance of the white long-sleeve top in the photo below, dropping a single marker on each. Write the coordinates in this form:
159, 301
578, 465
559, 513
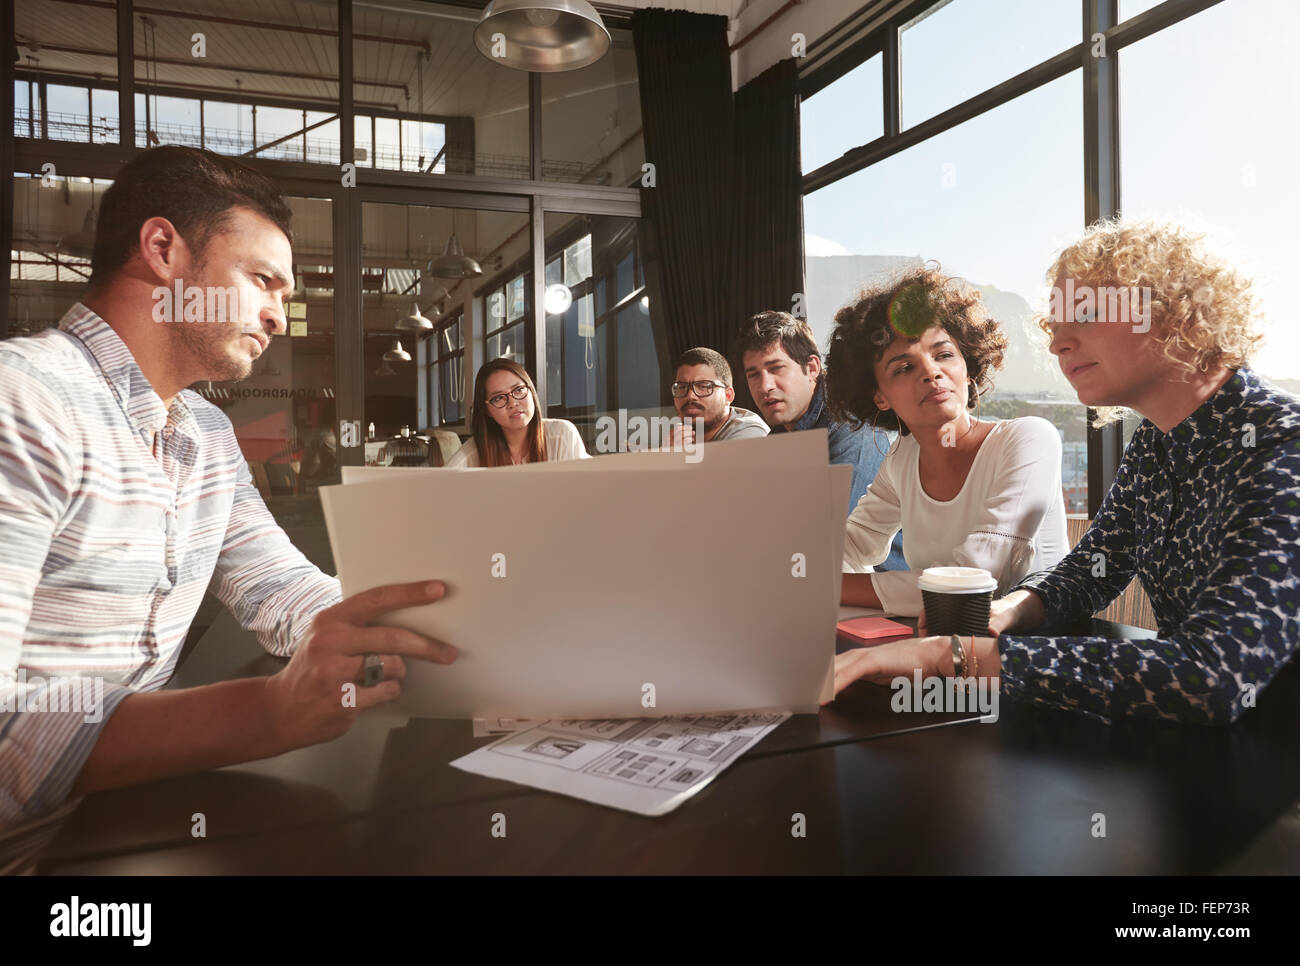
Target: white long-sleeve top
1008, 519
563, 442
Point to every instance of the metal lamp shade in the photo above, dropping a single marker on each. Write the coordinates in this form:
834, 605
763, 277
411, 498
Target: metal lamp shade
542, 35
415, 322
454, 263
397, 353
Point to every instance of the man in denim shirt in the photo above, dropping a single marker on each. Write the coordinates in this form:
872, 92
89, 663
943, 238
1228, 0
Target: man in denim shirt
784, 369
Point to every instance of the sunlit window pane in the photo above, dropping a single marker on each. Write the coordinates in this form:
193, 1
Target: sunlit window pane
951, 200
1234, 178
845, 113
956, 50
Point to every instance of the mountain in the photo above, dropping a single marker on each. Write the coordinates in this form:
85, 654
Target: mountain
835, 280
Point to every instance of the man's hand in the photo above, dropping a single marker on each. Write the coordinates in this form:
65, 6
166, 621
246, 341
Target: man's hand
306, 698
681, 435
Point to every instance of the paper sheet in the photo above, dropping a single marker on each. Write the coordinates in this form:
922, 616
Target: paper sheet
594, 600
484, 727
841, 478
643, 765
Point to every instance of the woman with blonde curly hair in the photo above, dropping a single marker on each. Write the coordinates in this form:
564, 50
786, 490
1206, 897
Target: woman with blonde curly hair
1204, 509
915, 355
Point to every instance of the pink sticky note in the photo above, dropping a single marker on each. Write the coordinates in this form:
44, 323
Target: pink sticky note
873, 628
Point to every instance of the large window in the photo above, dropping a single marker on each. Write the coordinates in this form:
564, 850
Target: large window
591, 120
400, 243
954, 50
445, 350
437, 103
602, 344
846, 113
49, 262
504, 309
66, 65
1233, 179
239, 77
992, 199
952, 201
429, 112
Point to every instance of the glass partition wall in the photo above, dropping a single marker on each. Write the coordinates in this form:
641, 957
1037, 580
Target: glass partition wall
603, 348
418, 321
389, 132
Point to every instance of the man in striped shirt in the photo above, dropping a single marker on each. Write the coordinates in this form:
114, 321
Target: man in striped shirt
123, 495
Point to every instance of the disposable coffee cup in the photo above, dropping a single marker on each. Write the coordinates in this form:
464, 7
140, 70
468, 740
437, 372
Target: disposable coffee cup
956, 599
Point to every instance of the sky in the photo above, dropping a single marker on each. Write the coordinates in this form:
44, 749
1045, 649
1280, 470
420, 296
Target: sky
1207, 138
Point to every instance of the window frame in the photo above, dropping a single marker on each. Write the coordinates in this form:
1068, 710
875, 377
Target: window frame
531, 194
857, 40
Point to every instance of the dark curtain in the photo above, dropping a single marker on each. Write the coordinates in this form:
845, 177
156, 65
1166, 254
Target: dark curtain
767, 268
689, 214
723, 225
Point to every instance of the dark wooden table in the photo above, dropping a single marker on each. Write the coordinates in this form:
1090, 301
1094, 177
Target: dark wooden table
878, 792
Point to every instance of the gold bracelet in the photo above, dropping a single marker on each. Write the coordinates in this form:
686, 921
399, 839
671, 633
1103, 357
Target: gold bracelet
965, 660
975, 659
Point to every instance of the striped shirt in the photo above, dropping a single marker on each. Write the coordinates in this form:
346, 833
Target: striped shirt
115, 515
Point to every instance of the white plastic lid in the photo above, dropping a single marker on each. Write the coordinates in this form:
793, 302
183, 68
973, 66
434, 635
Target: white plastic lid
956, 580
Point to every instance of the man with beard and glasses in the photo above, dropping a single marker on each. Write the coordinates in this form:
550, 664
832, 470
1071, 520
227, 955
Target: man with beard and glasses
123, 495
702, 389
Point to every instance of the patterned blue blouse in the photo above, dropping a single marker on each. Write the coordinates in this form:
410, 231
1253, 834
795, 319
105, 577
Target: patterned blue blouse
1208, 517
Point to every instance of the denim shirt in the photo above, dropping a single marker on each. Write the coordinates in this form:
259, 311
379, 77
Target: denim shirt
864, 449
1207, 516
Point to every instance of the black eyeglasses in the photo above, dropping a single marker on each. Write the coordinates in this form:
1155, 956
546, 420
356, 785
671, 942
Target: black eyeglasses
703, 388
499, 400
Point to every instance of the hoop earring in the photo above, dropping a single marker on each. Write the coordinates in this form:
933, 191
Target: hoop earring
875, 435
979, 399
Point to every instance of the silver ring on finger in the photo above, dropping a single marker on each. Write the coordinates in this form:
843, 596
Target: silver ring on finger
372, 669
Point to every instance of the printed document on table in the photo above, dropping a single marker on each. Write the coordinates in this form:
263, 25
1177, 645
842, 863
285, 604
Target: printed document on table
483, 727
643, 765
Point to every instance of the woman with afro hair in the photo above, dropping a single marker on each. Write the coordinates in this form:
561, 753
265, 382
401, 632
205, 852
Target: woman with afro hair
916, 355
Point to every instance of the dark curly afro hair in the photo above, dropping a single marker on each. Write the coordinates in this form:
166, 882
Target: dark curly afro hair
907, 305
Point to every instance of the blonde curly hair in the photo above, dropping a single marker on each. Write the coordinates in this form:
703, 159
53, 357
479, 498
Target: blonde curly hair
1203, 310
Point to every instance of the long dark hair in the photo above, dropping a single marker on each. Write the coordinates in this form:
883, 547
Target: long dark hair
489, 437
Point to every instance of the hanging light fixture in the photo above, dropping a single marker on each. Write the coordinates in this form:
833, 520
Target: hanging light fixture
541, 35
82, 242
415, 322
397, 353
453, 262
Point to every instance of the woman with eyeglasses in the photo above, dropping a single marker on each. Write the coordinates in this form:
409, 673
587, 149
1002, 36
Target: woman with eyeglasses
507, 426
